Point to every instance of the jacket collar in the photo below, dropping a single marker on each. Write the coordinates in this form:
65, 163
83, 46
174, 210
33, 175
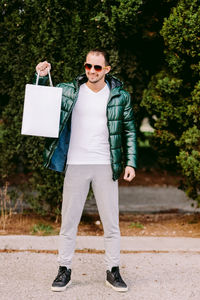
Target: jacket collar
112, 81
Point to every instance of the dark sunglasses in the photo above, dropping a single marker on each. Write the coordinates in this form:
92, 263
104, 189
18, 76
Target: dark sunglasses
96, 67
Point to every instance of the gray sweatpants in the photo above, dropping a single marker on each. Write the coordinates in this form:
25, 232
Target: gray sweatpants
76, 186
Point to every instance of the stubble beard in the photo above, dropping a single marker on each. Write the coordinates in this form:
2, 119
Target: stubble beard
97, 79
93, 81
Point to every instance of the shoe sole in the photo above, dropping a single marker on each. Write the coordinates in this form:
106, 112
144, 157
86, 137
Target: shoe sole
118, 289
60, 289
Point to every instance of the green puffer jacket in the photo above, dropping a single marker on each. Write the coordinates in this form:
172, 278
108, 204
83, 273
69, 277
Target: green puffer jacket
120, 122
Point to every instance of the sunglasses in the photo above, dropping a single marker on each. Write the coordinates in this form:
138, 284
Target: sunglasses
96, 67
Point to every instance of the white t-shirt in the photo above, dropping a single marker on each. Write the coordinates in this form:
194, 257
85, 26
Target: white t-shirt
89, 132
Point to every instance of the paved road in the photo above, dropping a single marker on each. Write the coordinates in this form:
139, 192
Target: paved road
173, 273
168, 276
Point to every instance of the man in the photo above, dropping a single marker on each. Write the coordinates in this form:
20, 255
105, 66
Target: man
97, 139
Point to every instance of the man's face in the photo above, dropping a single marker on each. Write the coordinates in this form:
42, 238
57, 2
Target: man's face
93, 75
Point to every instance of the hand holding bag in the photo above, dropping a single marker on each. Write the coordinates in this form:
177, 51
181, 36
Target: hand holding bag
41, 114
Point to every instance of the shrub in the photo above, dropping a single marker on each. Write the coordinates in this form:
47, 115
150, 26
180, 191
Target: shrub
173, 95
62, 32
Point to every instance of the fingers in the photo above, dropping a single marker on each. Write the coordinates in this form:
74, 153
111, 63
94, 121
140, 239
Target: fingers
128, 177
129, 174
43, 68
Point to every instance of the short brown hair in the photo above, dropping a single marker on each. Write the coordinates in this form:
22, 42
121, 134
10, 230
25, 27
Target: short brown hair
102, 52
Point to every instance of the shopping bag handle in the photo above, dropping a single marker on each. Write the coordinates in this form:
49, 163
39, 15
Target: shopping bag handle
50, 80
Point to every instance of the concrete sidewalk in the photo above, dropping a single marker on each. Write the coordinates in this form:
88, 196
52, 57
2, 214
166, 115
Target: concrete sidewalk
128, 243
171, 273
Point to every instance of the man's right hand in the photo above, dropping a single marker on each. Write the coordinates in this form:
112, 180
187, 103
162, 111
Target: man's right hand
43, 67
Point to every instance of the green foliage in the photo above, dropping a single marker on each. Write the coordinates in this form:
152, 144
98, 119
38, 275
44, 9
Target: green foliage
43, 229
173, 95
119, 13
34, 31
136, 225
62, 32
181, 30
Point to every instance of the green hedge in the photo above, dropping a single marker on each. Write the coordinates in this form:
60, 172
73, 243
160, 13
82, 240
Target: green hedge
173, 95
62, 32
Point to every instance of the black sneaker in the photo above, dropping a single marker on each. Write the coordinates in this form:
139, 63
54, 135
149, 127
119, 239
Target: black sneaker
62, 280
115, 281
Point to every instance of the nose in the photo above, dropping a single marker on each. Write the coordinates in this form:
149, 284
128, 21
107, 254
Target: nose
92, 70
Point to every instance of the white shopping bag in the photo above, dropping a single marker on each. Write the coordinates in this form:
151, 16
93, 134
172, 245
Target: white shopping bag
42, 105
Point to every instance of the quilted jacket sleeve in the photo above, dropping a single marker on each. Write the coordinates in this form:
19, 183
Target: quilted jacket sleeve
129, 134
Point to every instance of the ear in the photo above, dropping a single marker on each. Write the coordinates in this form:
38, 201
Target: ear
108, 68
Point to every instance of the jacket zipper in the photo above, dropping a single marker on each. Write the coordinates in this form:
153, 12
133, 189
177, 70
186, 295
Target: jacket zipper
110, 97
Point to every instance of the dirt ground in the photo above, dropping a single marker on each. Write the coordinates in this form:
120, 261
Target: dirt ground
170, 224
